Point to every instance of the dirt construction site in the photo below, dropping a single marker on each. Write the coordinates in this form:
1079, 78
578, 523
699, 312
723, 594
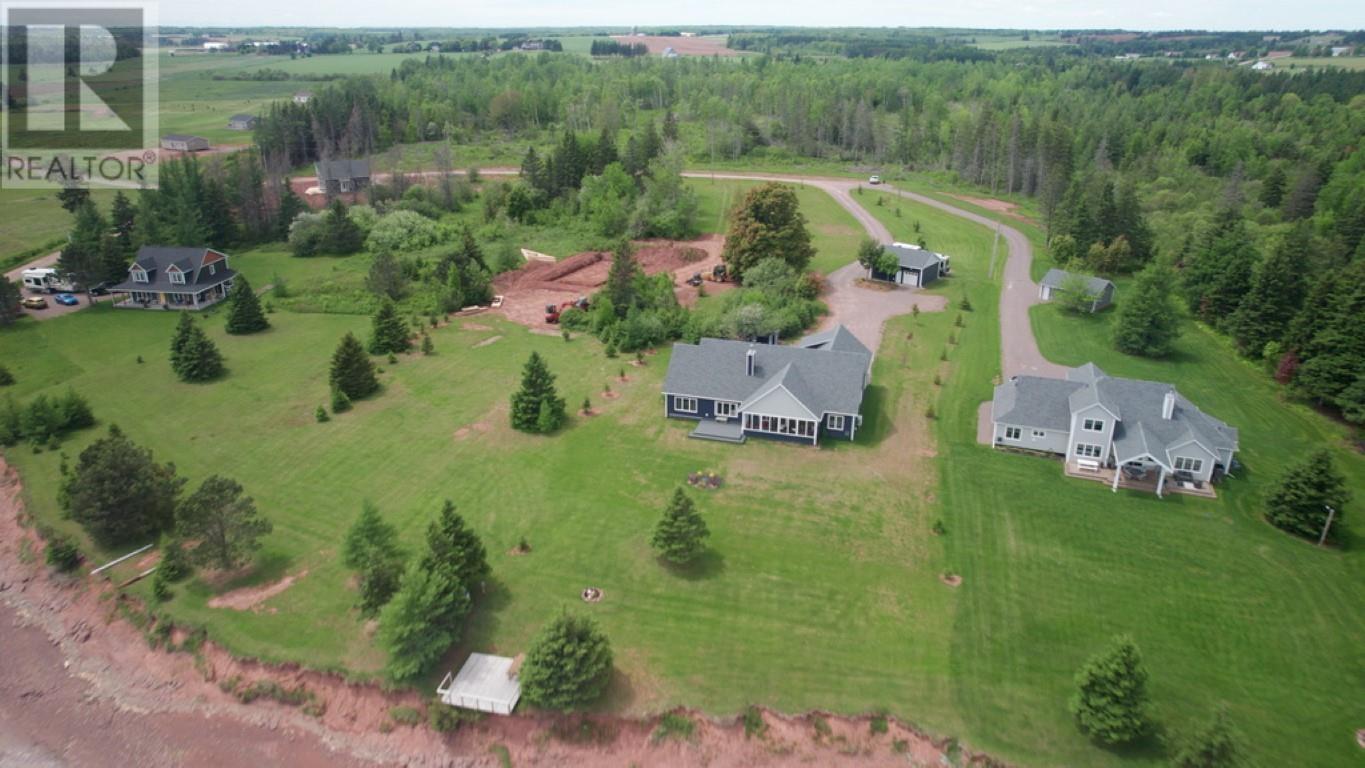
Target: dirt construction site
527, 292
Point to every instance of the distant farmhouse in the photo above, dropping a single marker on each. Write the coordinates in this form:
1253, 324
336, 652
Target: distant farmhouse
184, 143
303, 97
1127, 432
1262, 66
175, 278
918, 266
1100, 291
1342, 50
797, 393
343, 176
242, 122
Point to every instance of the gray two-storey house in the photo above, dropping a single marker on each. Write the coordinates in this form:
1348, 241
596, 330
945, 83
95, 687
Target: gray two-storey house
1128, 429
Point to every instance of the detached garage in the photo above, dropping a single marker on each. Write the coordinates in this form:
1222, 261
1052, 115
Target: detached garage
918, 266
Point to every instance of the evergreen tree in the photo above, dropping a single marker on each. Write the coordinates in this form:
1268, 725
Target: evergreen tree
1299, 202
6, 378
1132, 226
455, 550
454, 297
1334, 357
409, 628
82, 256
245, 315
537, 396
385, 278
225, 523
341, 236
1110, 703
123, 217
11, 305
623, 280
1299, 500
73, 197
290, 208
1147, 323
1218, 272
1214, 745
194, 357
1277, 292
533, 171
568, 665
1272, 188
371, 549
390, 331
670, 129
766, 223
681, 532
118, 493
352, 373
1064, 250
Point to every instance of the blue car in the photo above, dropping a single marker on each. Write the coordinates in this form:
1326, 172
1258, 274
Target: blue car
66, 299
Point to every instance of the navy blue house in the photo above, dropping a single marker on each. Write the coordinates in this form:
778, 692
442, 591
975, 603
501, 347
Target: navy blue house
798, 393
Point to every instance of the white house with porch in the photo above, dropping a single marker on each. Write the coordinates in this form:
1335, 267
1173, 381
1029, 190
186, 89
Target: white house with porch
1126, 432
164, 277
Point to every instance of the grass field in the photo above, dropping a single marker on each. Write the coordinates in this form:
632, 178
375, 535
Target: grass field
1341, 62
33, 218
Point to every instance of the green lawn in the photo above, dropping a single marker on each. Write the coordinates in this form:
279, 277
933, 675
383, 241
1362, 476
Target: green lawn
34, 218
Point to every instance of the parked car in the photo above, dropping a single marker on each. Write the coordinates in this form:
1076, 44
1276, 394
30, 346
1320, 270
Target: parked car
66, 299
35, 302
102, 289
874, 180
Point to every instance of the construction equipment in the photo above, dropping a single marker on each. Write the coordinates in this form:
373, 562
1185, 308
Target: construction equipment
718, 274
694, 280
553, 312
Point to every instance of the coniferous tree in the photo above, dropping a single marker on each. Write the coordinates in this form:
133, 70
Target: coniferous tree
679, 537
1277, 292
83, 255
1147, 323
118, 493
1334, 357
225, 523
385, 278
341, 236
371, 549
352, 373
1218, 273
768, 222
536, 397
1300, 499
454, 549
245, 315
568, 665
411, 625
194, 357
1110, 703
390, 331
1272, 188
10, 301
622, 280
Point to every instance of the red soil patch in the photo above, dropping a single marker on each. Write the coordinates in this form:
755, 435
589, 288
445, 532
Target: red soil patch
999, 206
610, 395
683, 46
528, 291
248, 598
951, 579
487, 341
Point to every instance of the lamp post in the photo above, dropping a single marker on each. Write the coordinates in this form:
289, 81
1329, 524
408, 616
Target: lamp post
1331, 513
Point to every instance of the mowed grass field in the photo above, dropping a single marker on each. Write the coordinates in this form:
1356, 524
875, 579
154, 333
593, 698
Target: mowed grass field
1226, 609
766, 617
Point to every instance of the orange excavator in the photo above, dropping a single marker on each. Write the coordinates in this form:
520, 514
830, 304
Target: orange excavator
553, 312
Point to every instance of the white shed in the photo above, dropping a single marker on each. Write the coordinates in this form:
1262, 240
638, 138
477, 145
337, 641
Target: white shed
485, 683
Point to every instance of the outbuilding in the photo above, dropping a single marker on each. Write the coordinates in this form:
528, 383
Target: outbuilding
184, 143
1057, 281
241, 122
917, 266
485, 683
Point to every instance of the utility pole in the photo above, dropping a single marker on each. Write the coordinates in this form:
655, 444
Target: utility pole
1331, 513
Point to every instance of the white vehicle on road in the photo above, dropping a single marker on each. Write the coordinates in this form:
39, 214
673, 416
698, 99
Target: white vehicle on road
874, 180
47, 280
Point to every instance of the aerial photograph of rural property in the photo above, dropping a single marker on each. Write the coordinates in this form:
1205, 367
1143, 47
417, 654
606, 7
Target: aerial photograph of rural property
720, 384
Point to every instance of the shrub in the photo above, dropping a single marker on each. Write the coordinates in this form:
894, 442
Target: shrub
321, 415
878, 723
444, 718
673, 725
403, 231
405, 715
6, 378
753, 722
340, 402
62, 553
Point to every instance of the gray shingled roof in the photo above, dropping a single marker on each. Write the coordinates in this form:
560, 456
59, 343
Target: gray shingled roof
824, 379
1055, 278
241, 118
343, 169
1032, 401
914, 258
157, 259
182, 137
838, 338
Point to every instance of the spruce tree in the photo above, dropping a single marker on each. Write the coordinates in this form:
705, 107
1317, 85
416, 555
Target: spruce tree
245, 315
621, 285
1110, 703
536, 396
371, 549
194, 357
410, 627
1299, 501
352, 373
390, 331
1215, 745
568, 664
681, 532
1277, 291
341, 235
1147, 323
454, 549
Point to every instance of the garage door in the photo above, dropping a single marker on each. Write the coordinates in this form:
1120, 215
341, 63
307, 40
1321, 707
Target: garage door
911, 277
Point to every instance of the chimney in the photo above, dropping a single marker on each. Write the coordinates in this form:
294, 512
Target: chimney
749, 361
1168, 406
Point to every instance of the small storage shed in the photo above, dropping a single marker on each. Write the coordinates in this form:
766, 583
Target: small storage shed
1101, 291
183, 143
485, 683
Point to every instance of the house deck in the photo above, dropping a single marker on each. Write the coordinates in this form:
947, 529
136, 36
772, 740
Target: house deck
1148, 483
725, 432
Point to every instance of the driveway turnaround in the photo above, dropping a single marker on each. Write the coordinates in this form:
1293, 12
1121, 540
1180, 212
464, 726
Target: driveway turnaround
53, 308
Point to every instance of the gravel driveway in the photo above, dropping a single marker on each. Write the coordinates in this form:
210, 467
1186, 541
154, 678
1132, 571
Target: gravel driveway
53, 308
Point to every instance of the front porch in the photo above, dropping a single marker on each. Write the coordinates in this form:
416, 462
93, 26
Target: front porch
1151, 480
168, 300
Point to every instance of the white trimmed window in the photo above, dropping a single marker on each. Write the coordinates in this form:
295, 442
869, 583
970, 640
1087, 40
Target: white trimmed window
1013, 433
1093, 425
726, 408
1186, 464
213, 269
835, 422
684, 404
177, 277
139, 275
1088, 451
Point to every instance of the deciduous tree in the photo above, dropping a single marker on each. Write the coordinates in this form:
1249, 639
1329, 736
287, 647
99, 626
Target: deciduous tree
767, 222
